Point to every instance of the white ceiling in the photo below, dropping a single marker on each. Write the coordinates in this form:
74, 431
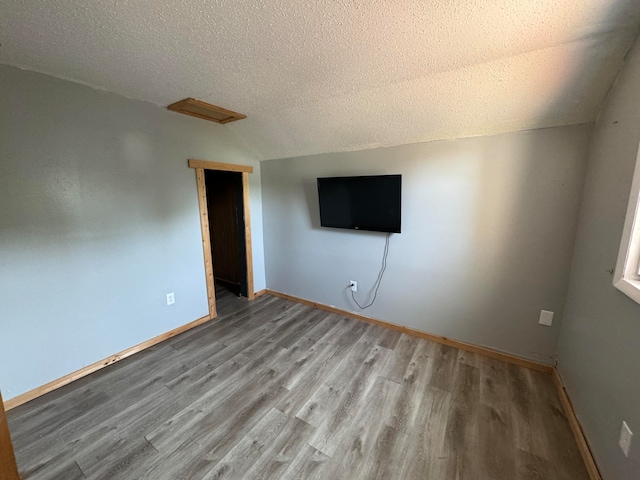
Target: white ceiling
334, 75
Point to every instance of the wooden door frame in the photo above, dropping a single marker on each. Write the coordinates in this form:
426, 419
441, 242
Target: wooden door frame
8, 467
200, 166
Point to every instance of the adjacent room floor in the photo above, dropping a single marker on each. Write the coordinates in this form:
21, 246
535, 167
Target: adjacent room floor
278, 390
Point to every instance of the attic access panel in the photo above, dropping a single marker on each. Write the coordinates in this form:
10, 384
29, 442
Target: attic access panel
206, 111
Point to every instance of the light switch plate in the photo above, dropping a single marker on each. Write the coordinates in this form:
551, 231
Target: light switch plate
546, 318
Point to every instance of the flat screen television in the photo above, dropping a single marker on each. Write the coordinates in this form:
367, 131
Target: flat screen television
361, 203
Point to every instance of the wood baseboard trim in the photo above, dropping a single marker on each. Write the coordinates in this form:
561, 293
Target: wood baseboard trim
83, 372
576, 428
260, 293
487, 352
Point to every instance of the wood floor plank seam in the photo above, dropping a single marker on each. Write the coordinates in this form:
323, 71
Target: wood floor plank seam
83, 475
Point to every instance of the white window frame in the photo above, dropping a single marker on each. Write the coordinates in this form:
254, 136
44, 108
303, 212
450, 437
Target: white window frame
626, 277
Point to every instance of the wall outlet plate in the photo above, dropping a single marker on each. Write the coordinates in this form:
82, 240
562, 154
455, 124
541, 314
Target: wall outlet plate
625, 438
546, 318
353, 285
171, 298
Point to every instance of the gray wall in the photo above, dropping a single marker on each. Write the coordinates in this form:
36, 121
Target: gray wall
486, 243
600, 334
99, 220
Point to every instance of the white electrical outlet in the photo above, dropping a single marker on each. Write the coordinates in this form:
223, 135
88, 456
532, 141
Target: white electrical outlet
546, 318
354, 285
625, 438
171, 298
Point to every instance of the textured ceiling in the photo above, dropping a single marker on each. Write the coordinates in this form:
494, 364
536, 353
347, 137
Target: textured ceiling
322, 76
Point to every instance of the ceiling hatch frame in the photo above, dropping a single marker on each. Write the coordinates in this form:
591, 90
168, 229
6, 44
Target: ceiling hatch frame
205, 111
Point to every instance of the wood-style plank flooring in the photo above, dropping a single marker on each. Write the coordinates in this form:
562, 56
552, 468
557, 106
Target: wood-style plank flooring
278, 390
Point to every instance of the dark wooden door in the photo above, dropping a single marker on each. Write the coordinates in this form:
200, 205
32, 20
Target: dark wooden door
226, 226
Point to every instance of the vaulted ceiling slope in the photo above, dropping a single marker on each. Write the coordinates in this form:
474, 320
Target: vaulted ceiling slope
334, 75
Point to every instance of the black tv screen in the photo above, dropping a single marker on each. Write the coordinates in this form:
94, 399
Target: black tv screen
361, 203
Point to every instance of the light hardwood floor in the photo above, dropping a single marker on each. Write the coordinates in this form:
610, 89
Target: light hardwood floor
279, 390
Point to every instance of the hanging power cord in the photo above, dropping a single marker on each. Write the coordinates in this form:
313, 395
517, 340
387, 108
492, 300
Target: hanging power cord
379, 280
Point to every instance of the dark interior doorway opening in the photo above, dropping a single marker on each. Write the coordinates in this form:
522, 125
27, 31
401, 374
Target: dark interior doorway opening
225, 204
240, 210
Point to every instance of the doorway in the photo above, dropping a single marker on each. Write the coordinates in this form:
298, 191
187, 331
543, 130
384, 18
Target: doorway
227, 230
225, 224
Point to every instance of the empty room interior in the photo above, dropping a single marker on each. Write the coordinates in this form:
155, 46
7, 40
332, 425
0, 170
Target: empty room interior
320, 240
